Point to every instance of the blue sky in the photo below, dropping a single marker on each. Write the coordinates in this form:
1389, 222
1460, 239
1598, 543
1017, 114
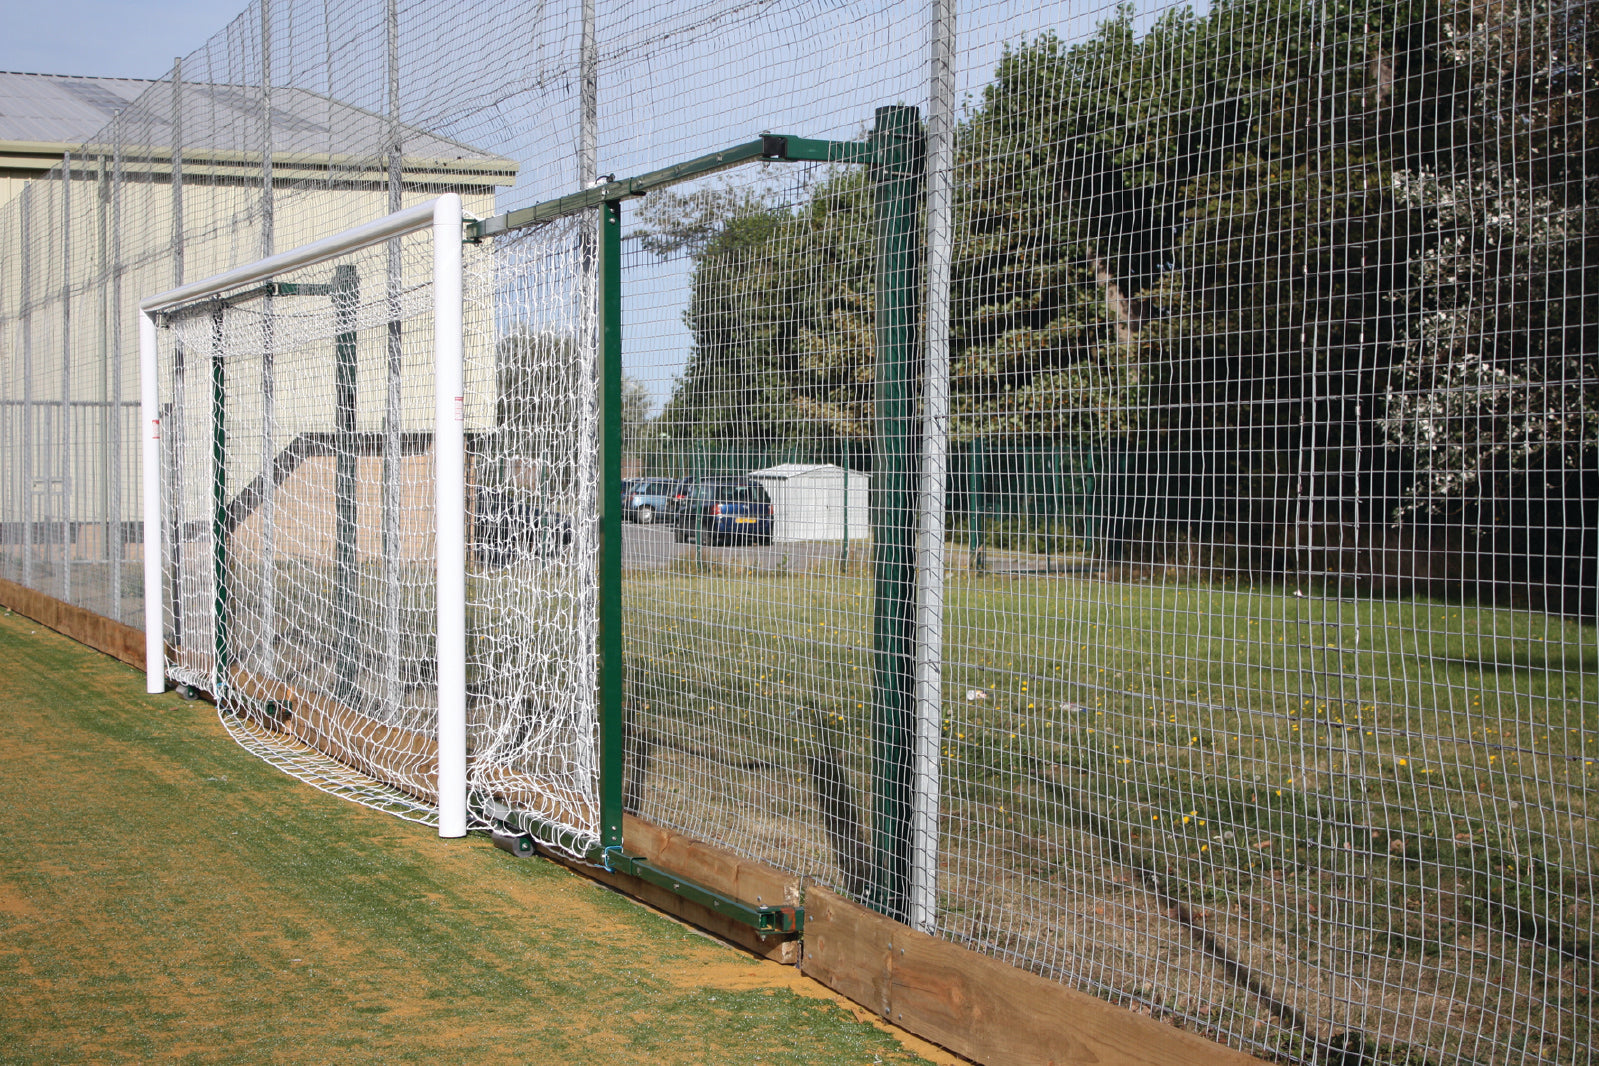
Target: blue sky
875, 52
116, 38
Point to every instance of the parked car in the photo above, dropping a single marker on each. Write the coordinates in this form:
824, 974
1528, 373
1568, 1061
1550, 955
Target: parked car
723, 509
679, 496
506, 527
649, 498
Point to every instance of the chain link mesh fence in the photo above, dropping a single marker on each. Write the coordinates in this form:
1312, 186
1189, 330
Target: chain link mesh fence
1162, 555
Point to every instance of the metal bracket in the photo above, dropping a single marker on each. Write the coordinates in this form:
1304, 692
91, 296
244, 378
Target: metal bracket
292, 288
510, 832
518, 844
772, 147
788, 149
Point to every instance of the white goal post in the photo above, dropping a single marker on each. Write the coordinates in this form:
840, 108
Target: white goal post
444, 216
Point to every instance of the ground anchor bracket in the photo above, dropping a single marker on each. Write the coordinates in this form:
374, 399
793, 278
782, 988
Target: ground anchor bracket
510, 835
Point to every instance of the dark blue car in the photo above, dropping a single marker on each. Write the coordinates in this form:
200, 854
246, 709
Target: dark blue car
723, 509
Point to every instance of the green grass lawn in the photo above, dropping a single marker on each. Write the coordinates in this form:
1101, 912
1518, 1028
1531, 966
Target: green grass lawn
1384, 806
165, 896
1395, 788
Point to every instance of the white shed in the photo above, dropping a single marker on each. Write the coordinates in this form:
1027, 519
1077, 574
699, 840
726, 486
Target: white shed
810, 501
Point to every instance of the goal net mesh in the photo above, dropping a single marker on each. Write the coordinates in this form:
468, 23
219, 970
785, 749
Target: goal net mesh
532, 591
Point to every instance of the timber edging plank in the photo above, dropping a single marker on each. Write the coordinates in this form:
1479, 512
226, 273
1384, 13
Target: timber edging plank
977, 1006
81, 624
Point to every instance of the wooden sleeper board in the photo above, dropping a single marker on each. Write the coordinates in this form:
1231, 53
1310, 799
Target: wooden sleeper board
84, 626
978, 1007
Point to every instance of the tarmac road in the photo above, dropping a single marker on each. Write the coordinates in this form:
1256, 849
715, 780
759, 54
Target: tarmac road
652, 547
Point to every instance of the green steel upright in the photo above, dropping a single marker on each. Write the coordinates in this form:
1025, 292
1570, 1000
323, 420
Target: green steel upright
612, 667
346, 294
897, 168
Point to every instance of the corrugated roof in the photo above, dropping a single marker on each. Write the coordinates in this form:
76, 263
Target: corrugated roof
55, 109
59, 108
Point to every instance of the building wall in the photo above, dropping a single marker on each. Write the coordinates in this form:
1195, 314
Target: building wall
69, 367
9, 187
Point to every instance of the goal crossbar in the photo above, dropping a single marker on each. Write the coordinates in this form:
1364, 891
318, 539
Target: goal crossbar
444, 216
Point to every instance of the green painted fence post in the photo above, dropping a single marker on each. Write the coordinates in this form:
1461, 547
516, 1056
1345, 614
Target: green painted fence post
612, 667
897, 176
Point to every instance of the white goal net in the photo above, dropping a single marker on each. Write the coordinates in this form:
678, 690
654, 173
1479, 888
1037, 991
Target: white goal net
300, 530
532, 596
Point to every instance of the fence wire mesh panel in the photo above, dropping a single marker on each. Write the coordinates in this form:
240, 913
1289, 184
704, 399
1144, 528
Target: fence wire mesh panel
67, 408
1126, 504
1268, 323
752, 664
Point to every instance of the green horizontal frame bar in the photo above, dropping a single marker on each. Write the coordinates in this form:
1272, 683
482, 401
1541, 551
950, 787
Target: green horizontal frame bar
293, 288
781, 921
770, 148
810, 150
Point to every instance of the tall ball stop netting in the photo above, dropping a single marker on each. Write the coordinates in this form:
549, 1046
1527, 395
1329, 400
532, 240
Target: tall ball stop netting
1131, 515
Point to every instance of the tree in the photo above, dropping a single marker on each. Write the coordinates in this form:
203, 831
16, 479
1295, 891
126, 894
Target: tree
779, 308
1303, 265
637, 405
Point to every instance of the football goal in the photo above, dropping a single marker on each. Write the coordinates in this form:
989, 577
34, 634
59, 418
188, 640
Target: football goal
306, 479
381, 470
370, 469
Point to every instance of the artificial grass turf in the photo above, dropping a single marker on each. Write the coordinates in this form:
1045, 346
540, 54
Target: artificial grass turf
163, 895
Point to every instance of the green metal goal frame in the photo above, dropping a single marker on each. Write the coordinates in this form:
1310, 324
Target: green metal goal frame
894, 154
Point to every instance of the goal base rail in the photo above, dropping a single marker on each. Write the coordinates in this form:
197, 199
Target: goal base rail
520, 834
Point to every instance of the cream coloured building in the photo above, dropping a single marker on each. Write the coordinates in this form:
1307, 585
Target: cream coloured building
113, 189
